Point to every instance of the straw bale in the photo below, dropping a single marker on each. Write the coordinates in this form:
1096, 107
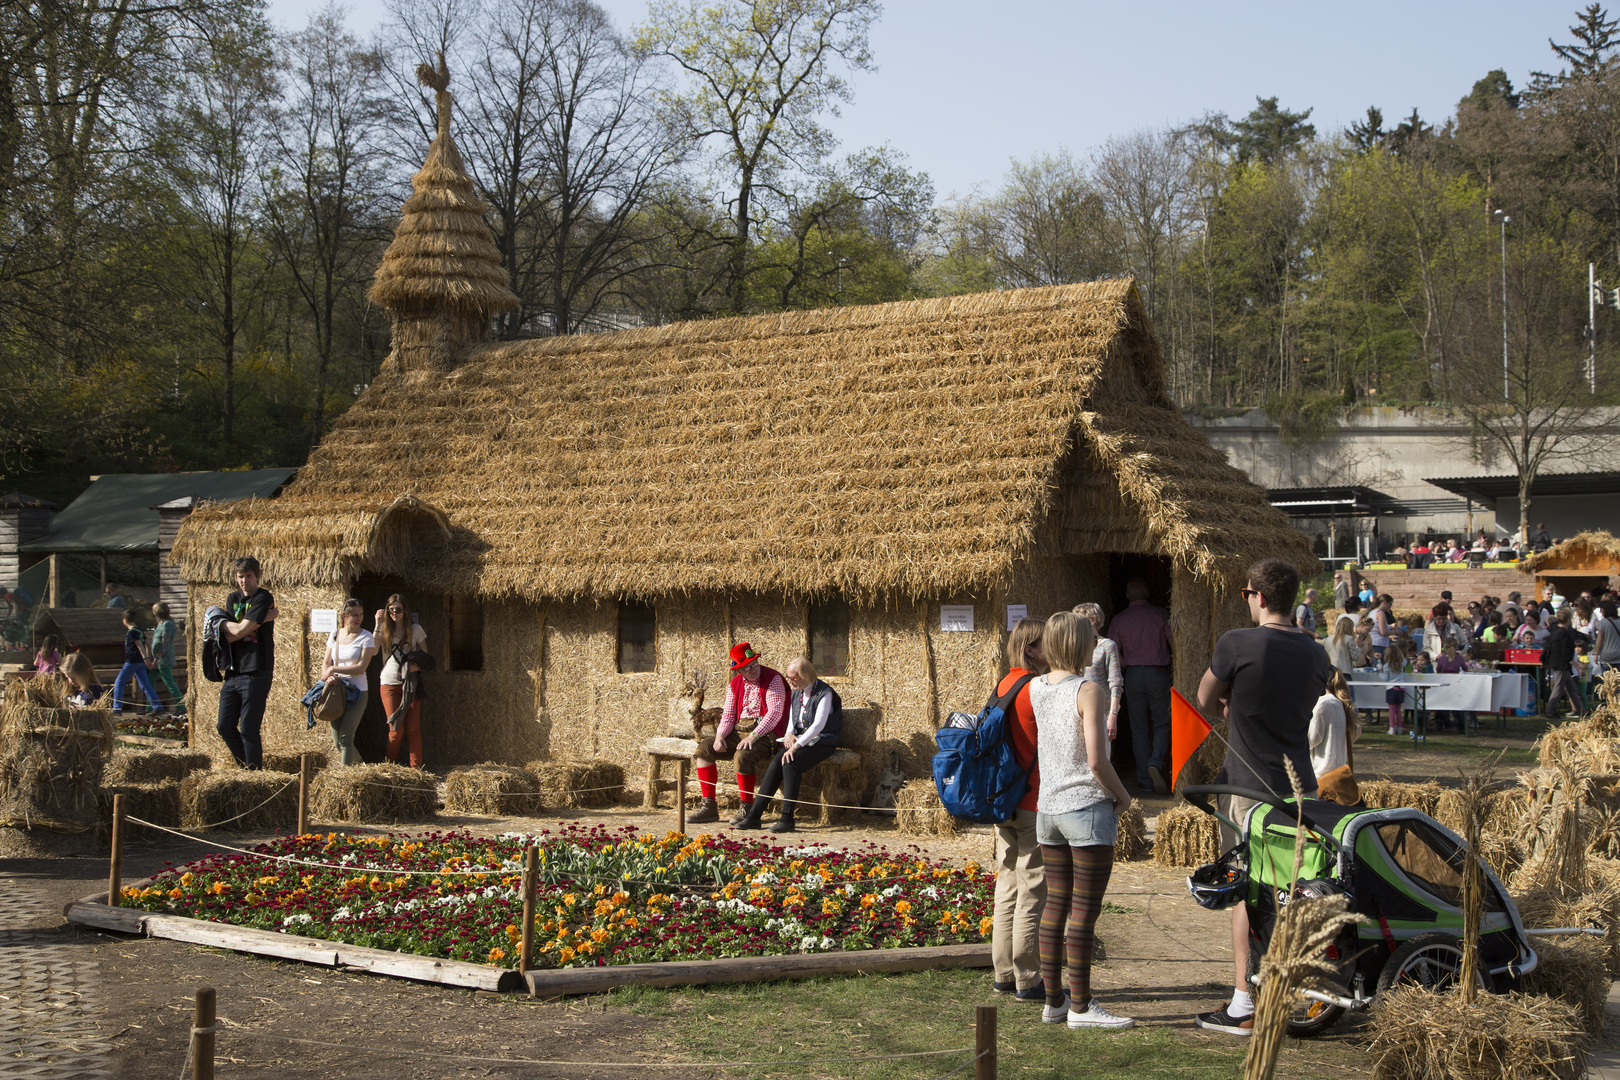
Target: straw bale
1132, 843
275, 761
1185, 836
157, 801
1384, 793
573, 785
143, 766
1422, 1034
918, 811
239, 800
497, 790
1572, 970
1545, 907
374, 794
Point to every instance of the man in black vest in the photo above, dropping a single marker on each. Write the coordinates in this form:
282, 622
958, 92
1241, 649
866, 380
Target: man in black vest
815, 721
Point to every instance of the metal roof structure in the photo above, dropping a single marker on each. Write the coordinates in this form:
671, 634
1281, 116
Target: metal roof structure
1487, 489
118, 512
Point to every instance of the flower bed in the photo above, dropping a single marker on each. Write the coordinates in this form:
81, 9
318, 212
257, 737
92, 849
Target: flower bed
161, 725
604, 896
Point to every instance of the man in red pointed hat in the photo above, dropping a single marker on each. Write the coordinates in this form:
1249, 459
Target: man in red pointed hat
754, 714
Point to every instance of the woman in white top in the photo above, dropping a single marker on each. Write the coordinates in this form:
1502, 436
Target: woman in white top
348, 653
1076, 817
1383, 625
1333, 727
398, 635
1105, 667
1342, 650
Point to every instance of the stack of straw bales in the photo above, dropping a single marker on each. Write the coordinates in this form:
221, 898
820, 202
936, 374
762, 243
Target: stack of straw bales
51, 759
374, 794
1132, 843
149, 781
1423, 1034
574, 785
491, 789
1185, 836
918, 811
239, 800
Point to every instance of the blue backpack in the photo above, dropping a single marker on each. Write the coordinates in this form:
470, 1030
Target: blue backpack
975, 771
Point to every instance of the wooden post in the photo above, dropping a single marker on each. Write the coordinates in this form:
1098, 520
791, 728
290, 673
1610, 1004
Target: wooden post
680, 796
303, 794
115, 872
531, 868
202, 1035
984, 1043
55, 583
103, 571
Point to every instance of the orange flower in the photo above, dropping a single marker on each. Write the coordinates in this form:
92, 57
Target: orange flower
175, 894
219, 888
902, 907
986, 924
868, 900
599, 936
497, 955
565, 955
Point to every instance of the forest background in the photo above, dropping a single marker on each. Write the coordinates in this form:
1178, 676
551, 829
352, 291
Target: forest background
192, 204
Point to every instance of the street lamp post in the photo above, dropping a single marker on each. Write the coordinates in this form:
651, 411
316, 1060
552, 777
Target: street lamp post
1507, 393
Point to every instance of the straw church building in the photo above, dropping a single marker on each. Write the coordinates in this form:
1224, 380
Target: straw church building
582, 521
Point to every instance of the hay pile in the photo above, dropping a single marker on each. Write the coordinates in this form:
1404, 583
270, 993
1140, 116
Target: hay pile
155, 801
374, 794
918, 811
239, 800
491, 789
1385, 793
1572, 970
288, 763
1185, 836
1132, 843
573, 785
129, 766
1422, 1034
51, 757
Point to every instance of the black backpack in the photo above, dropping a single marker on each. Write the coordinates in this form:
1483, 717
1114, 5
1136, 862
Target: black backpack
217, 662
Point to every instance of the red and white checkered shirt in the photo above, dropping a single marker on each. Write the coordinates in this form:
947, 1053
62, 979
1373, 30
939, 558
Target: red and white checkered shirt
766, 699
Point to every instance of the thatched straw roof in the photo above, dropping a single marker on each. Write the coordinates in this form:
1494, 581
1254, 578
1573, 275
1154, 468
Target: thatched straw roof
1597, 548
443, 259
912, 448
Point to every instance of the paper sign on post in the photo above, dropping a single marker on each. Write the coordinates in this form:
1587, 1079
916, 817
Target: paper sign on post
322, 620
1016, 612
955, 617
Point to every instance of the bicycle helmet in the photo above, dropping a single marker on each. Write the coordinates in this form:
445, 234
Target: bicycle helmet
1220, 885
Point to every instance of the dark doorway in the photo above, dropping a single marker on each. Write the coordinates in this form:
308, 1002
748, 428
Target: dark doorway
373, 591
1155, 570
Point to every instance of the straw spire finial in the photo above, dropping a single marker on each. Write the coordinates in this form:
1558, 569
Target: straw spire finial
440, 82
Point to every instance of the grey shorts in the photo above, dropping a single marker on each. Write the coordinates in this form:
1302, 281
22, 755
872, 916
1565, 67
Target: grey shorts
1093, 826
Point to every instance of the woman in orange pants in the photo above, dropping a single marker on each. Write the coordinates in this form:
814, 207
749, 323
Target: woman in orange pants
397, 636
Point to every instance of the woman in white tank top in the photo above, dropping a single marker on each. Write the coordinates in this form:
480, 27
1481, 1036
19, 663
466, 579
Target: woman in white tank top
1076, 818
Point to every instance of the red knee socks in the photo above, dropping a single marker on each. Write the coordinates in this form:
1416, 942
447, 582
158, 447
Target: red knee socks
707, 775
745, 787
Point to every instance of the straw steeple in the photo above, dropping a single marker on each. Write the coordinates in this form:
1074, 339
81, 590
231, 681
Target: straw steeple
441, 277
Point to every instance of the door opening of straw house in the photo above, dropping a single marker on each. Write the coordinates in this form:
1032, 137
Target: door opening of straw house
1122, 567
429, 610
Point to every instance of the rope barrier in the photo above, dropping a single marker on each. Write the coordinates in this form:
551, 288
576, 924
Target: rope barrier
217, 824
355, 868
599, 1064
974, 1060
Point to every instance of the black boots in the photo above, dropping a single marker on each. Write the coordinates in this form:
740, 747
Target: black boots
707, 811
785, 822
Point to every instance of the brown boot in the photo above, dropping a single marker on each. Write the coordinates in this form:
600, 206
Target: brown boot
707, 811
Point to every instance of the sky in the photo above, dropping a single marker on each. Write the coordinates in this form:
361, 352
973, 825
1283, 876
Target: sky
962, 88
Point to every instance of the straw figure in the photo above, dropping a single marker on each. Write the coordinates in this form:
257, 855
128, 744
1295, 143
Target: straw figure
1296, 954
441, 278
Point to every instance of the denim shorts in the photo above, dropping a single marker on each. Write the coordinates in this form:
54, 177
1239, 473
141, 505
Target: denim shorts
1092, 826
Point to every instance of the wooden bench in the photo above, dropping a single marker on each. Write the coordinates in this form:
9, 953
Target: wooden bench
660, 751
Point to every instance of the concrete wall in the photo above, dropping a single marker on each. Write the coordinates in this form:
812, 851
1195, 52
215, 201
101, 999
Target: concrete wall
1395, 451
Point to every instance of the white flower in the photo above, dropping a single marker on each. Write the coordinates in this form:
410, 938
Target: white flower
892, 890
298, 920
342, 914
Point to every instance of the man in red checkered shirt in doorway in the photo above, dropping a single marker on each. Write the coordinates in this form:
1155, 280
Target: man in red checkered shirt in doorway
1142, 632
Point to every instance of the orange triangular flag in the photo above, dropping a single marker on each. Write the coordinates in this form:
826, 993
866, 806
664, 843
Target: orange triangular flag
1188, 730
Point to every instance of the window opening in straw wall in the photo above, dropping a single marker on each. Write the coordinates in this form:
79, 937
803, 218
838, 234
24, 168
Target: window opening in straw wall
829, 636
637, 634
466, 634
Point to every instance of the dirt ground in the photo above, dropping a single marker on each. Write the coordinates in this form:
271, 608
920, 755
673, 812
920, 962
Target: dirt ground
1166, 959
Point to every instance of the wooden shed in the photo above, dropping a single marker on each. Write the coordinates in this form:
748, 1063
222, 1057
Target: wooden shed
582, 521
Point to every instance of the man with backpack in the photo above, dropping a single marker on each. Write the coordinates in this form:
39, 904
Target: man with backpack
249, 633
1265, 680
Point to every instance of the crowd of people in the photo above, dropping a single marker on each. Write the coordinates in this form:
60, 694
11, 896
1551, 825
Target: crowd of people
1423, 550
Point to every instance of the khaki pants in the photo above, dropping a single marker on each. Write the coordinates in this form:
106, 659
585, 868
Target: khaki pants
1015, 947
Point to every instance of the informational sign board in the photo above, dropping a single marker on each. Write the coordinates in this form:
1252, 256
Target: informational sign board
953, 617
1016, 612
322, 620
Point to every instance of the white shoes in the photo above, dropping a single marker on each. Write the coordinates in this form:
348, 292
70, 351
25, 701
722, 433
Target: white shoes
1050, 1015
1096, 1016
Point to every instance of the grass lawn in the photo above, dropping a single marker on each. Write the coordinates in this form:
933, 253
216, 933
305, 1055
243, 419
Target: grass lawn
932, 1010
1518, 737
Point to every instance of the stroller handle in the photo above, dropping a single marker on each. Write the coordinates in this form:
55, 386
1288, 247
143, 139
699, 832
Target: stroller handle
1195, 794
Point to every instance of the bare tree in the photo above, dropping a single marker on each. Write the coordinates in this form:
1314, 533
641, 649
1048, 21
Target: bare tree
325, 213
1051, 225
1146, 187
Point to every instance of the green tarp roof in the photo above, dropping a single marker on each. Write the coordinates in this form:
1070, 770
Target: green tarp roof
116, 512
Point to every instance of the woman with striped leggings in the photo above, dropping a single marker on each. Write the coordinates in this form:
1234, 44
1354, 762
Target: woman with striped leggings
1076, 819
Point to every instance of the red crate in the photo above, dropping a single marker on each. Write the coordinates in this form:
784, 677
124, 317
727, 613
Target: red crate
1521, 656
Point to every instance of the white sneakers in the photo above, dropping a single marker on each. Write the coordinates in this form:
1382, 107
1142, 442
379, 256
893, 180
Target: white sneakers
1095, 1016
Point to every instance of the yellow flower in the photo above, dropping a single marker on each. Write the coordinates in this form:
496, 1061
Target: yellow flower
308, 879
902, 907
252, 898
570, 899
187, 878
175, 894
497, 955
829, 908
796, 864
632, 922
565, 955
131, 891
586, 948
868, 900
219, 888
599, 890
599, 936
513, 933
986, 924
971, 869
268, 880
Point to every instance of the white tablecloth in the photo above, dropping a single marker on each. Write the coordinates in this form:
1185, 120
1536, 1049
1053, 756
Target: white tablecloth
1476, 691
